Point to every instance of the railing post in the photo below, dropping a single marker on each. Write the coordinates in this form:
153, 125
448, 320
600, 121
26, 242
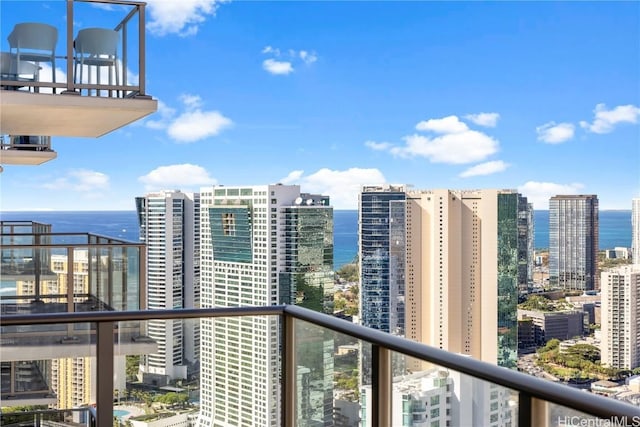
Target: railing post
104, 374
524, 409
70, 68
540, 413
142, 49
289, 371
380, 386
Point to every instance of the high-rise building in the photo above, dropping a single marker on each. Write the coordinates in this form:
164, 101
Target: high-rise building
263, 245
466, 257
382, 257
621, 317
444, 268
573, 242
382, 252
635, 230
169, 225
525, 245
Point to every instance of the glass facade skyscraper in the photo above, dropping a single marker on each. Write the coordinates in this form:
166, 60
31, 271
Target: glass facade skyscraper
382, 251
573, 242
512, 260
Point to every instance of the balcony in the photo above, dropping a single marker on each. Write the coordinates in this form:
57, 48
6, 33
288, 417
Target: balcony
26, 150
67, 95
42, 273
462, 390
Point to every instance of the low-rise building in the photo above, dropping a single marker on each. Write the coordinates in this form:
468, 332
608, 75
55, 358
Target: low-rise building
547, 325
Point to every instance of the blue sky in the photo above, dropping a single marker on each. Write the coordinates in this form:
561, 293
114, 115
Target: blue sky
543, 97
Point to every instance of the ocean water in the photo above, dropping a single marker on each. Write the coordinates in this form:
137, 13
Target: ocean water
615, 227
124, 225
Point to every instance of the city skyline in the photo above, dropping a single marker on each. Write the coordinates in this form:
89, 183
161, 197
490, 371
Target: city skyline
333, 96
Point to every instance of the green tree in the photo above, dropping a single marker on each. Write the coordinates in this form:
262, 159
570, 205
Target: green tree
132, 366
348, 272
538, 303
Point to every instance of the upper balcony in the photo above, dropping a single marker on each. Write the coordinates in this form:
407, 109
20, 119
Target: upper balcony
77, 80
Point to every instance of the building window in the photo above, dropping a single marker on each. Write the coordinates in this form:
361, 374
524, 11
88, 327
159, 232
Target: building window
229, 224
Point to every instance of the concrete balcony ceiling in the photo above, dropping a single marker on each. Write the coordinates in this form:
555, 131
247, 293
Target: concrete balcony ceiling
26, 113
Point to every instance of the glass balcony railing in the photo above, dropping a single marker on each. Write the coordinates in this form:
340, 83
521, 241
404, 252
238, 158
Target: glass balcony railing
106, 62
311, 376
44, 272
68, 272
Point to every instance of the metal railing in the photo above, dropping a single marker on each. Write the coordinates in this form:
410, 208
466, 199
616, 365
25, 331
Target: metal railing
25, 142
534, 394
114, 269
123, 90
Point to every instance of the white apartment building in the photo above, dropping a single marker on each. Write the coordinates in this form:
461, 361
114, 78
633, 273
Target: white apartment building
169, 226
621, 317
440, 397
249, 258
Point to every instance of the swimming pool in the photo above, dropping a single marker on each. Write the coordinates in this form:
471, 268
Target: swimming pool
120, 413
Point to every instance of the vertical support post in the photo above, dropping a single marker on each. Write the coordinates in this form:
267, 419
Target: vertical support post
70, 281
110, 297
380, 386
524, 409
36, 265
104, 374
124, 56
289, 371
71, 71
142, 47
70, 288
540, 413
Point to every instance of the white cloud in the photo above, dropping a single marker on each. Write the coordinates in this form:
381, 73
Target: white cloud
456, 148
182, 17
487, 168
191, 125
293, 57
342, 187
195, 125
277, 67
293, 177
605, 120
164, 114
80, 180
450, 124
456, 144
269, 49
378, 146
484, 119
539, 193
308, 58
553, 133
191, 102
185, 176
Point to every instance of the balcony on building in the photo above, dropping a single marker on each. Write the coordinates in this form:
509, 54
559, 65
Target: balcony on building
449, 389
25, 150
81, 81
43, 272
